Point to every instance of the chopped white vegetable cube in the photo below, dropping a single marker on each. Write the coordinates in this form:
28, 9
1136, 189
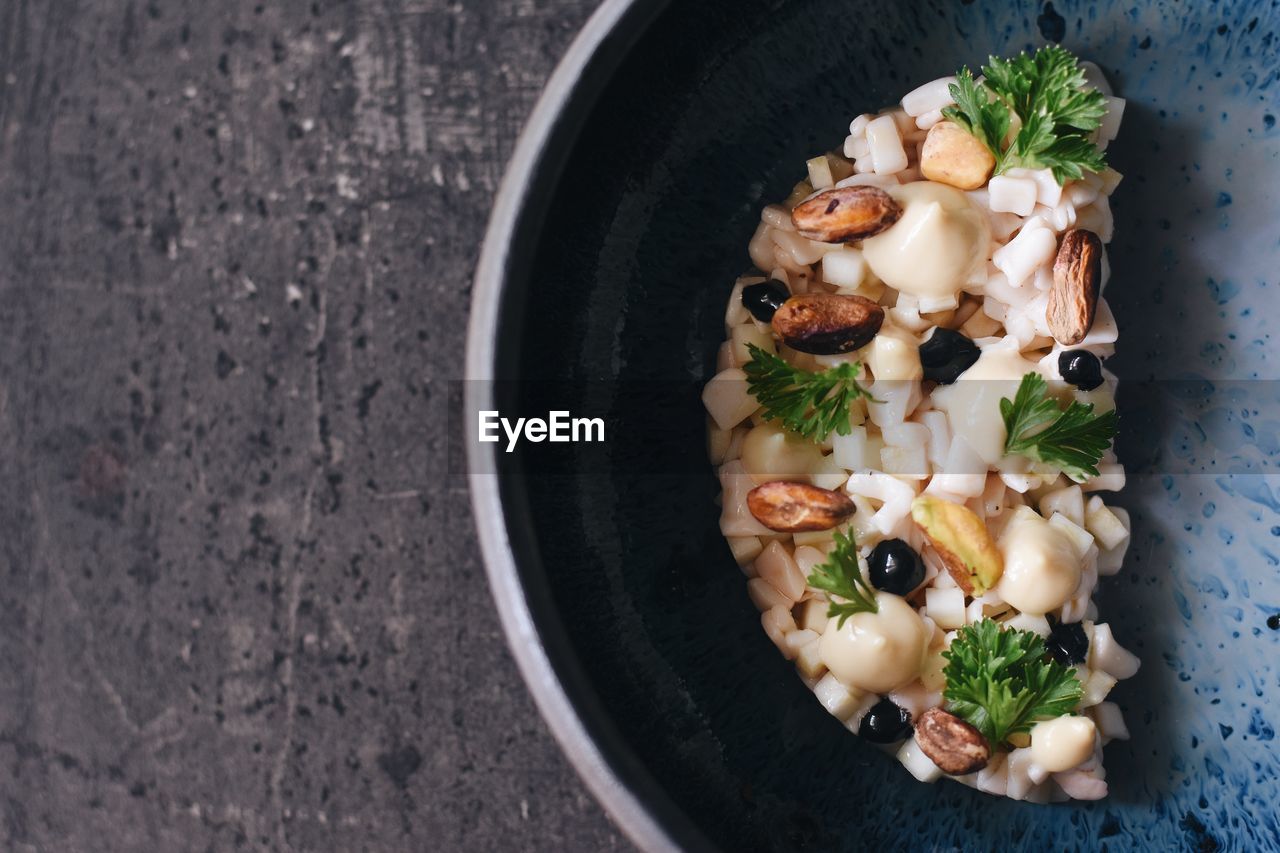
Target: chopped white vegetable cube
813, 615
820, 173
1069, 502
840, 701
917, 763
1097, 688
933, 95
779, 568
845, 269
735, 518
1029, 622
945, 607
764, 595
887, 154
908, 462
1080, 538
1108, 655
1105, 526
1034, 245
744, 548
750, 334
808, 661
1012, 195
727, 399
1110, 721
1110, 479
1109, 129
777, 623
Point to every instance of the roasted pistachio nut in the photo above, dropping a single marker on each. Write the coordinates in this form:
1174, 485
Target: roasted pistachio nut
827, 323
1077, 281
962, 541
952, 155
951, 743
796, 507
842, 214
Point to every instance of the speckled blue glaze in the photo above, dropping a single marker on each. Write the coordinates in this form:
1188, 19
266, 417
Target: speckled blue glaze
643, 253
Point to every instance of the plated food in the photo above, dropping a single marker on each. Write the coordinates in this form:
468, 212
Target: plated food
912, 427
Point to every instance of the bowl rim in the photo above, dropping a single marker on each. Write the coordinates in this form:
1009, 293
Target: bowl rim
568, 96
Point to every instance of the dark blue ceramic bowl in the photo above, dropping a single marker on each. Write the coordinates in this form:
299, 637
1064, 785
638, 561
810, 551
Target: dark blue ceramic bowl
617, 235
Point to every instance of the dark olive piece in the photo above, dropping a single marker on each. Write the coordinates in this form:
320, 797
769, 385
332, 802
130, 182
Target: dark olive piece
946, 355
895, 567
885, 723
1081, 368
764, 298
1068, 644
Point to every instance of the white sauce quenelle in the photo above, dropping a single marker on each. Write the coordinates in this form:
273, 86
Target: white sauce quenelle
911, 424
941, 242
877, 652
1041, 567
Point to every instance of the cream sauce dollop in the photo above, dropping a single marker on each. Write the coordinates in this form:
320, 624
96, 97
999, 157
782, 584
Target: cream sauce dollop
877, 652
1062, 743
940, 242
1041, 567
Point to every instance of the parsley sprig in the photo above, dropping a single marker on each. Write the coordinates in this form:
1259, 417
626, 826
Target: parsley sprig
812, 404
1074, 439
1001, 681
1056, 108
841, 576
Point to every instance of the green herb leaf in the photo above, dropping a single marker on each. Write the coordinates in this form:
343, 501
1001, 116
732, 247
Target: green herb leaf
810, 404
1073, 440
977, 112
1056, 108
1002, 681
841, 576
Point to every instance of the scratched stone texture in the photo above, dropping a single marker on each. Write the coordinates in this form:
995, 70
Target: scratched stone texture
241, 606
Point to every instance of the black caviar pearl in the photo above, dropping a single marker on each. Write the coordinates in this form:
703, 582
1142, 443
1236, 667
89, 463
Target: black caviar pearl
1081, 368
885, 723
895, 567
764, 298
1068, 643
946, 355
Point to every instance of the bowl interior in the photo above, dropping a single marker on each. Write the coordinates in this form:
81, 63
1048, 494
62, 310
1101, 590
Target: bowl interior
618, 306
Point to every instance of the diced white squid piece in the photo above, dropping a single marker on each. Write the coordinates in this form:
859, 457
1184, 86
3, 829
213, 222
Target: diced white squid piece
735, 518
1029, 622
895, 495
1034, 245
765, 595
1080, 785
776, 565
963, 474
896, 400
994, 778
1068, 501
938, 443
1110, 721
1109, 129
1108, 655
845, 268
945, 607
1007, 194
1104, 524
839, 700
885, 140
917, 763
933, 95
777, 623
1110, 478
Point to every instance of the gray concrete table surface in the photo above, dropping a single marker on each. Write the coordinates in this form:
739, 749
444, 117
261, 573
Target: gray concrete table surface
241, 604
